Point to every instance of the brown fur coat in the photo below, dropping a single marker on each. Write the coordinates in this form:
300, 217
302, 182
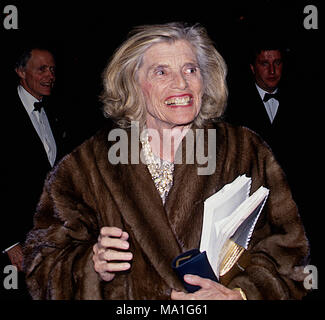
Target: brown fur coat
85, 192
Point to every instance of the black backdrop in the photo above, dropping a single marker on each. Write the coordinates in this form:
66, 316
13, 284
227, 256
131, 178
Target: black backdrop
83, 35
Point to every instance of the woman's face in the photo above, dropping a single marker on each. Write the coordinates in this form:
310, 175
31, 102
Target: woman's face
171, 83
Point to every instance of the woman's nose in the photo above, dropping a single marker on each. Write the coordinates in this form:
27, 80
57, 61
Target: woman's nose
179, 81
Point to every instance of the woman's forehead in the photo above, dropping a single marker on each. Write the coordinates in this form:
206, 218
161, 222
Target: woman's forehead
166, 53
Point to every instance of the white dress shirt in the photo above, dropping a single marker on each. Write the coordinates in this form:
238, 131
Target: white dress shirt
271, 105
42, 127
40, 123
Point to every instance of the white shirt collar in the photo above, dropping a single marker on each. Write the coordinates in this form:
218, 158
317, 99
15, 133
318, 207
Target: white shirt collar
27, 99
262, 92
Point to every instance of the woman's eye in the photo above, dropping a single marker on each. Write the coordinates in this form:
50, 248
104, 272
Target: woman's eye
160, 72
190, 70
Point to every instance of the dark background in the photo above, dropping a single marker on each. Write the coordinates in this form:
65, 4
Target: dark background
83, 36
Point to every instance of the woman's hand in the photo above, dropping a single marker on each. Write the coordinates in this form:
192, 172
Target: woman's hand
210, 290
110, 252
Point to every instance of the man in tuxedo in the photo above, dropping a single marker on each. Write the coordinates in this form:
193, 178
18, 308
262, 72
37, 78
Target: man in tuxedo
32, 143
268, 106
280, 108
273, 107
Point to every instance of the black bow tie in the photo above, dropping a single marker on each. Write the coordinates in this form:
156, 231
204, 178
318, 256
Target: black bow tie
269, 96
38, 106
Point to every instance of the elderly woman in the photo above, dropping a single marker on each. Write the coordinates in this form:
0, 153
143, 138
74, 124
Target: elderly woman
109, 230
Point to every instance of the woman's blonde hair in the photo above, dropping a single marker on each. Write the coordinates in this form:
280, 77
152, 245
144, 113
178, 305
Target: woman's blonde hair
122, 97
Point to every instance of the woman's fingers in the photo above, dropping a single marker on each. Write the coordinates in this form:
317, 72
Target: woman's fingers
210, 290
204, 283
113, 255
110, 255
107, 242
112, 237
113, 232
114, 267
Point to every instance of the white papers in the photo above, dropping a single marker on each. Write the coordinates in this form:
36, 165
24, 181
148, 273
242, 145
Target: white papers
227, 211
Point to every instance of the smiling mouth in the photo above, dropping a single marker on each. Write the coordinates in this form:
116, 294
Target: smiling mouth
185, 100
47, 84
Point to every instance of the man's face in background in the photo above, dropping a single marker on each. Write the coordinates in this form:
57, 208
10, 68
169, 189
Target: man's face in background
267, 69
38, 76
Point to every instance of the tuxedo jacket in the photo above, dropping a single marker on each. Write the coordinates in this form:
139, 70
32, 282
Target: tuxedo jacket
284, 135
25, 165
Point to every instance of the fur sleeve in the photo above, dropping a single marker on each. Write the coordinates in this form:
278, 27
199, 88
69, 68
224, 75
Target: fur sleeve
279, 248
58, 250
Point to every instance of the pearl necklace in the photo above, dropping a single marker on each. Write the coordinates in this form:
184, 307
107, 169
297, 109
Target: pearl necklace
161, 170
